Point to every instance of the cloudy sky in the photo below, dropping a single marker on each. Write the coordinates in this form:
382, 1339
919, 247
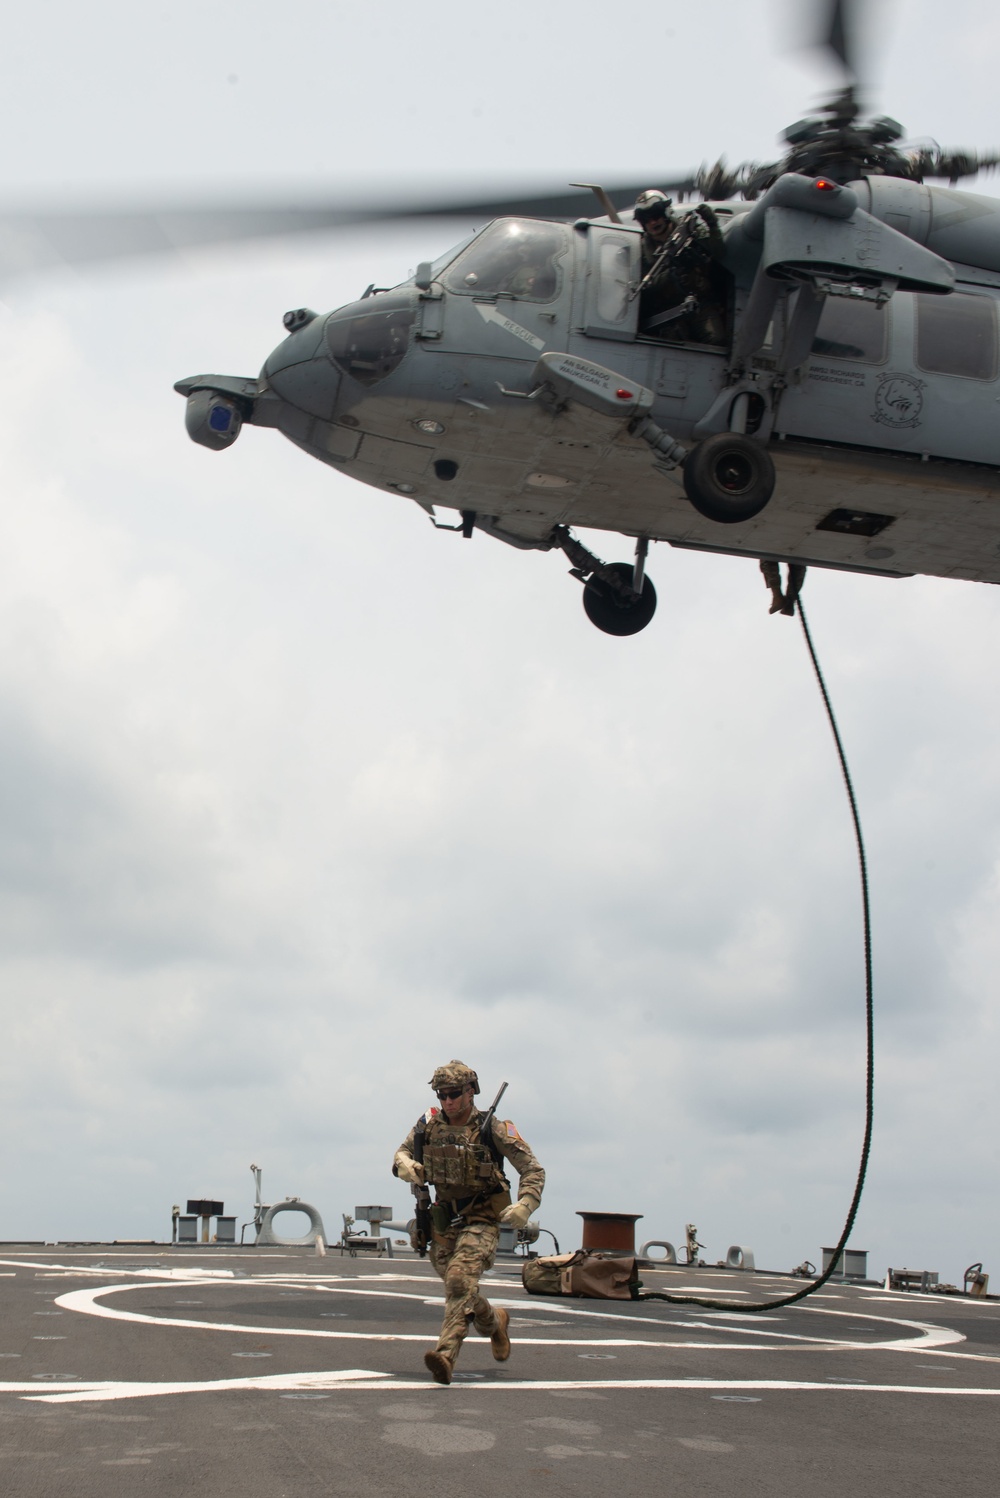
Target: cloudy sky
301, 797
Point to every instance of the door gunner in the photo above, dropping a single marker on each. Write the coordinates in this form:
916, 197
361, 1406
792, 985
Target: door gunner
679, 267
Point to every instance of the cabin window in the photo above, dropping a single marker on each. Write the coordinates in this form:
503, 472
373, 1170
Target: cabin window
957, 335
850, 328
370, 345
614, 280
513, 257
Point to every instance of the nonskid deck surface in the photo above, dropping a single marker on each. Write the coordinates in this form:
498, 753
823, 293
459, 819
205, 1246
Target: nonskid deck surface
275, 1372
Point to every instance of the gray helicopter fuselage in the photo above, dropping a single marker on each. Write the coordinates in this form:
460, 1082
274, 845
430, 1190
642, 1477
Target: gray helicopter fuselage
878, 403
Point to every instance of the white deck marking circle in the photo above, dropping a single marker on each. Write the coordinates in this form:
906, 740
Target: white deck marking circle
87, 1302
906, 1336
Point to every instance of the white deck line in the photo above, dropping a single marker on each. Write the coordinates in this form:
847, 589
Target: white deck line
86, 1302
360, 1380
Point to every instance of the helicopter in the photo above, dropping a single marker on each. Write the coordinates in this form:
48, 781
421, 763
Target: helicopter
828, 427
846, 421
840, 414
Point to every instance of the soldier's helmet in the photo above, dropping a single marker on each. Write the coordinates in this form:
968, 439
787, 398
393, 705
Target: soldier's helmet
652, 204
455, 1074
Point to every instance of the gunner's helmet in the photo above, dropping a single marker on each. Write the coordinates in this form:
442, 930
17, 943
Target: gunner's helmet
652, 204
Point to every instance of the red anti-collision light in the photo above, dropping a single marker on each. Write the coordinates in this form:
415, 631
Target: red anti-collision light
624, 395
824, 185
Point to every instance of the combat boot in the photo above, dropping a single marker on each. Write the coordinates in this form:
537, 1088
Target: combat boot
441, 1365
499, 1340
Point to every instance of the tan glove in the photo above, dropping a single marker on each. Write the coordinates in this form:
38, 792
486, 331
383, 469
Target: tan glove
408, 1169
517, 1214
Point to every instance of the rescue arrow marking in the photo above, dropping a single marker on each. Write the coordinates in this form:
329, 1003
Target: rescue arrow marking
492, 314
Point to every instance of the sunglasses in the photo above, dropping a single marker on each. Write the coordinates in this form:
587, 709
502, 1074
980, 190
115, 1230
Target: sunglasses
450, 1092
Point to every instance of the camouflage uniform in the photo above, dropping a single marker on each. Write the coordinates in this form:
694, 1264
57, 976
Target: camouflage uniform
684, 267
467, 1181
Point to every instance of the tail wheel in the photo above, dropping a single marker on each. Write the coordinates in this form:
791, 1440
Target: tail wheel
729, 478
614, 614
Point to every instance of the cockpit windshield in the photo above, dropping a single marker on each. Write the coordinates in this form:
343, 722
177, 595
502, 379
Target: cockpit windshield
515, 256
443, 261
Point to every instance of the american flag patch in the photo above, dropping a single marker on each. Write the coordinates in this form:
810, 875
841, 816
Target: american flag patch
511, 1131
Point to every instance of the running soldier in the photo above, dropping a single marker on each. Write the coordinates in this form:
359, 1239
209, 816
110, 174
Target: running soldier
446, 1149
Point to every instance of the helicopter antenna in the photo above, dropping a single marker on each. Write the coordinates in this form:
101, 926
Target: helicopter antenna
602, 198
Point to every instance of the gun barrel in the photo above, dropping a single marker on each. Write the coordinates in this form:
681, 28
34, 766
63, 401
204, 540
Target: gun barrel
488, 1115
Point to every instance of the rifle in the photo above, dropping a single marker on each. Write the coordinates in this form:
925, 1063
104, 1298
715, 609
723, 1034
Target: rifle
422, 1195
677, 250
658, 260
486, 1122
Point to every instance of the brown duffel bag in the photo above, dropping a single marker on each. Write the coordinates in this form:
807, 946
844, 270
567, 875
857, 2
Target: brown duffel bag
593, 1276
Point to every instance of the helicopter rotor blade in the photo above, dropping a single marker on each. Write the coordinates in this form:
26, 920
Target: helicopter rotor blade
839, 35
38, 239
849, 32
558, 205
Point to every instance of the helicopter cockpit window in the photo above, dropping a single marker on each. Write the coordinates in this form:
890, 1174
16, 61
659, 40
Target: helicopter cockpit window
851, 328
443, 261
369, 345
514, 256
957, 335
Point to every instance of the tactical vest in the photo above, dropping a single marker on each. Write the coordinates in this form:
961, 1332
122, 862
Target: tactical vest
458, 1162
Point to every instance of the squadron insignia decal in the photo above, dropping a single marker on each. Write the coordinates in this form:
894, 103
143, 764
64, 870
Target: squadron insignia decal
899, 400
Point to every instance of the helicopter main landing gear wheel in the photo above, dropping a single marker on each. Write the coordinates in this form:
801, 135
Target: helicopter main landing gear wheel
613, 611
618, 596
729, 477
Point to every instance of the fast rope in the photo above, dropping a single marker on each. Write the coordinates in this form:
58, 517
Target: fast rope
792, 597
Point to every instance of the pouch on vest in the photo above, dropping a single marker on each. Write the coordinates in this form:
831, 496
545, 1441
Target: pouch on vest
592, 1276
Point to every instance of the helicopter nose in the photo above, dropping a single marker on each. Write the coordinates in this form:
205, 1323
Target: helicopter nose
300, 371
